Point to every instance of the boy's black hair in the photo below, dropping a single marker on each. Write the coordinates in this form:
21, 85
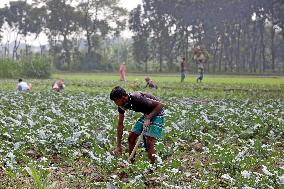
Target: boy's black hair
20, 80
117, 92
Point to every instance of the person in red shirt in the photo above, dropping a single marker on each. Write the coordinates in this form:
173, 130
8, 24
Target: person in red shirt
122, 72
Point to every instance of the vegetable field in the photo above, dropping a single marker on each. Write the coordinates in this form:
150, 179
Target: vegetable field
217, 135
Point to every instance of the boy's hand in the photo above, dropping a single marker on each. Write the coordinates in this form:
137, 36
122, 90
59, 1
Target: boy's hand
147, 122
118, 151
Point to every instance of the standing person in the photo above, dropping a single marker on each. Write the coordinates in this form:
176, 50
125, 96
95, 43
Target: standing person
23, 86
58, 85
150, 83
152, 120
200, 57
122, 72
182, 69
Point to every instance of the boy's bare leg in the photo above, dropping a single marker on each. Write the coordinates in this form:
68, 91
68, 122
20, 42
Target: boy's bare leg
151, 149
131, 142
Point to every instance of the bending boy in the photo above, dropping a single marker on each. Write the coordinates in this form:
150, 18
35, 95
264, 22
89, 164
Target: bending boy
150, 83
58, 85
152, 119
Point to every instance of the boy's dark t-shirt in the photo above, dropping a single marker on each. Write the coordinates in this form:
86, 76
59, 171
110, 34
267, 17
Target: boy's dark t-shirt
139, 102
151, 84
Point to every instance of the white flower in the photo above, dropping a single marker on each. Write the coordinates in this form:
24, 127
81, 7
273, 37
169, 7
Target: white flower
109, 157
241, 154
114, 176
227, 177
44, 159
188, 174
77, 135
41, 134
138, 177
92, 156
245, 174
17, 145
281, 179
167, 129
247, 187
159, 159
19, 117
174, 170
11, 155
251, 141
266, 171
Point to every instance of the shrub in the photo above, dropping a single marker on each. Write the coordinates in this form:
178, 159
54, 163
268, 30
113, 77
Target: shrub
36, 67
9, 68
29, 67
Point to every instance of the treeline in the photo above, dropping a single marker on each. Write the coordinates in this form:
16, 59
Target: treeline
244, 36
241, 36
82, 34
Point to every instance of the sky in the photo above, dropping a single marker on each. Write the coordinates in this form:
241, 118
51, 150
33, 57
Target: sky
128, 4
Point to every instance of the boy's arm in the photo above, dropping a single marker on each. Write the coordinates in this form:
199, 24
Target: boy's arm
118, 149
156, 110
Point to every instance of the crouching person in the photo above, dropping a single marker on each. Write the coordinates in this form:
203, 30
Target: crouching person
150, 83
150, 124
58, 85
23, 86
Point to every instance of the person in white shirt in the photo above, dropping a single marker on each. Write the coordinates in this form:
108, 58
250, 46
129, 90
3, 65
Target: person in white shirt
24, 86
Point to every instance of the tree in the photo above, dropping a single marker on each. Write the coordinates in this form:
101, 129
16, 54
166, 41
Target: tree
100, 18
1, 21
62, 21
140, 38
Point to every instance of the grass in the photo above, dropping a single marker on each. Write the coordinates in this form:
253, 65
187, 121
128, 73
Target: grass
208, 79
213, 86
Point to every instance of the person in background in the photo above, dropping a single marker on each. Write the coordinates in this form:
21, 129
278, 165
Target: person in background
23, 86
150, 83
122, 72
182, 69
58, 85
201, 57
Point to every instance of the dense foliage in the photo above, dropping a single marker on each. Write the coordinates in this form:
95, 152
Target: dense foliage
59, 140
29, 67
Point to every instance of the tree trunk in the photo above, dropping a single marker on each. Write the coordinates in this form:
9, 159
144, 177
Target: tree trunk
67, 52
238, 50
88, 36
146, 65
220, 58
160, 61
272, 49
254, 48
215, 55
262, 47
